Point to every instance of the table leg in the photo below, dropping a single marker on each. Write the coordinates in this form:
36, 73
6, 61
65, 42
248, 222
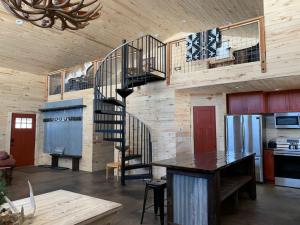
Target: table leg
252, 183
214, 199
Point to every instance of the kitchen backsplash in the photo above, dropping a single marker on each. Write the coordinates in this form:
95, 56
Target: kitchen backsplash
271, 132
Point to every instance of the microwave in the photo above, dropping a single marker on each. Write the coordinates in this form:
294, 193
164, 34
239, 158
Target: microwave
287, 120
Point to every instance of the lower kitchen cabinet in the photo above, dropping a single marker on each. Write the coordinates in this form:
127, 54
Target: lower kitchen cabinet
269, 165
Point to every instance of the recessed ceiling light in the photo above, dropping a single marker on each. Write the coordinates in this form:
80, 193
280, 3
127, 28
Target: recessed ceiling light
19, 22
237, 87
183, 21
277, 89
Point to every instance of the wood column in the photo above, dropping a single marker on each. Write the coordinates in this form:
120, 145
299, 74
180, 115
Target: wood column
262, 44
168, 64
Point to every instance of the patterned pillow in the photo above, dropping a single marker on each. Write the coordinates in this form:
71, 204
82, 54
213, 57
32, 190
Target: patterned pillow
3, 155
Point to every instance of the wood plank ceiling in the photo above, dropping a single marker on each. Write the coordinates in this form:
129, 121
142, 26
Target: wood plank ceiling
32, 49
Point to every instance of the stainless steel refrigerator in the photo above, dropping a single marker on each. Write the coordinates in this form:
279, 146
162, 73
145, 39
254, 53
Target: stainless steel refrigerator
244, 133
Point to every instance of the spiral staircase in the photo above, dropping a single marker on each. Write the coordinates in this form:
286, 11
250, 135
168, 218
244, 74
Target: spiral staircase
132, 64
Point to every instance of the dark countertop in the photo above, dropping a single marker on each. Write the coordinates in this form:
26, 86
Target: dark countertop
209, 162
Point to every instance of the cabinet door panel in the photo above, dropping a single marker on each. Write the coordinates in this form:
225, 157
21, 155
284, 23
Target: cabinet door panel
269, 165
246, 103
236, 104
255, 103
278, 102
294, 101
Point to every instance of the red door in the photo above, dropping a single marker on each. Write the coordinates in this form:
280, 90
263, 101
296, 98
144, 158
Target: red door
22, 143
204, 129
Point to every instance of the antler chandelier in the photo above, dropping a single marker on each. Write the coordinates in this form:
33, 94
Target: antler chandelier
61, 14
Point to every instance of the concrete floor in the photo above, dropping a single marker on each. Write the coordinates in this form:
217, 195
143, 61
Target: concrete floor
274, 205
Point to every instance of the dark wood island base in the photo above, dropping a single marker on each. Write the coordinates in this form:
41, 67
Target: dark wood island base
198, 185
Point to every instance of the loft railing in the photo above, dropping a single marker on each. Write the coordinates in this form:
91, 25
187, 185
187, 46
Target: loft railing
242, 42
72, 79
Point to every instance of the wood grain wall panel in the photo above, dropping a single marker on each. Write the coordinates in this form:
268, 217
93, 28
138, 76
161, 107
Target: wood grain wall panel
20, 92
154, 104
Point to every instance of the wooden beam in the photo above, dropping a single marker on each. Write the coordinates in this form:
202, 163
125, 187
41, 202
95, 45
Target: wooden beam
262, 44
241, 23
47, 87
62, 74
168, 64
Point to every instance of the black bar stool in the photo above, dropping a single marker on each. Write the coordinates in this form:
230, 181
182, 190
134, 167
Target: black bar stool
158, 187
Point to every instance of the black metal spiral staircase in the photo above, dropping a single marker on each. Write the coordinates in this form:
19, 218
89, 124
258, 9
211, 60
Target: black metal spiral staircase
131, 65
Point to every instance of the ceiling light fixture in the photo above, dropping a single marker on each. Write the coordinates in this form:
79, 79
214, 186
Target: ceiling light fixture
19, 22
60, 14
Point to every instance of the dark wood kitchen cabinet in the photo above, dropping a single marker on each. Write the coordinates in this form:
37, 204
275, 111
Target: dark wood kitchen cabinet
269, 165
278, 102
294, 101
246, 103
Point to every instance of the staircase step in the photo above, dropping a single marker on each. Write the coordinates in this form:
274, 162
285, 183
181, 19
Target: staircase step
110, 131
130, 157
108, 112
113, 139
135, 83
138, 176
113, 101
137, 166
109, 121
119, 147
124, 92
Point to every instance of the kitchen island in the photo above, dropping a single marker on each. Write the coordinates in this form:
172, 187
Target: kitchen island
198, 184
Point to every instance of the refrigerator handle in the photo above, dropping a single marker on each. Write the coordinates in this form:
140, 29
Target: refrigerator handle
243, 134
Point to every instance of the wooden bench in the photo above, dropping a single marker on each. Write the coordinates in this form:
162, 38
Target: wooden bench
7, 174
75, 160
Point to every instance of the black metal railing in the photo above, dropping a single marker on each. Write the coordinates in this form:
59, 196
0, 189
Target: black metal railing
132, 64
141, 57
138, 140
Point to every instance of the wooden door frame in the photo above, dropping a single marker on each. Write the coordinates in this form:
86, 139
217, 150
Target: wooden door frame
9, 130
192, 124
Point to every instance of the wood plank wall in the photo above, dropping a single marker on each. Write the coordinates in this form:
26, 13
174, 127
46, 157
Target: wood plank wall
95, 154
154, 104
20, 92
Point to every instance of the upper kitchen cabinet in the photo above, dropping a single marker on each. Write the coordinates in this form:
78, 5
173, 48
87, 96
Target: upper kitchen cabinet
278, 102
294, 101
284, 101
246, 103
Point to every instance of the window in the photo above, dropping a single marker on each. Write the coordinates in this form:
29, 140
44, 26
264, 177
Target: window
23, 123
54, 84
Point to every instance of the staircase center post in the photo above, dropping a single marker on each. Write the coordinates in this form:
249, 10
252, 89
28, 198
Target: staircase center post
123, 86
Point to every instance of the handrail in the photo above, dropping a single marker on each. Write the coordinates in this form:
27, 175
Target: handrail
120, 46
226, 27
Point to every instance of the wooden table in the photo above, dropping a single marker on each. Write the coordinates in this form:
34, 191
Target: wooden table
198, 184
68, 208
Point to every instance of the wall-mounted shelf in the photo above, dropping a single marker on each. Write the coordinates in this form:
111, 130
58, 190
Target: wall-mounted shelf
62, 108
